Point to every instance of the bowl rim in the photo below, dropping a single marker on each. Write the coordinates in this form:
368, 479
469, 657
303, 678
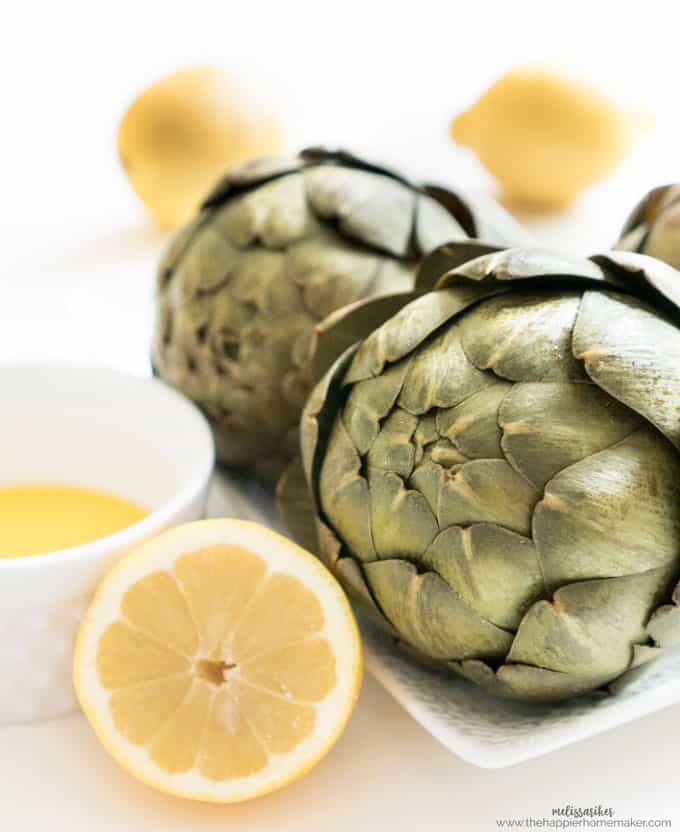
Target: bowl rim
186, 490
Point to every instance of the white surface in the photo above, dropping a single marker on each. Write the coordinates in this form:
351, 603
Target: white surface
75, 282
385, 773
81, 426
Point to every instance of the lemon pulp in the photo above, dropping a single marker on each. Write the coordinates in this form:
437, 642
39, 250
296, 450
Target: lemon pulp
218, 661
40, 518
216, 664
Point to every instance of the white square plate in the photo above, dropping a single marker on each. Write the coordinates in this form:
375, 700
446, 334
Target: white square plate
484, 730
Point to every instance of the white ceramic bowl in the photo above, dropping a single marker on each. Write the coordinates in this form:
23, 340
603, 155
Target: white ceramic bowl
97, 428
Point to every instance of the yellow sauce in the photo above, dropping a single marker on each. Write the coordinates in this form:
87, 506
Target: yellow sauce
35, 519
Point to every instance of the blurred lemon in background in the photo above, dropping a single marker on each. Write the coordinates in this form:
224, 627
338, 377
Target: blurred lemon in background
545, 136
181, 134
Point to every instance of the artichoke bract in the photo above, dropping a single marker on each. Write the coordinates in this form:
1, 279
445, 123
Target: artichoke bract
653, 228
495, 469
277, 246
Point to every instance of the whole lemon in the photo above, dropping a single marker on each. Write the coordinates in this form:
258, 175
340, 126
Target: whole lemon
546, 136
178, 137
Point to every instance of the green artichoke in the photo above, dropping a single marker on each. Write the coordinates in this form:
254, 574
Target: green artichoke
277, 246
495, 470
654, 226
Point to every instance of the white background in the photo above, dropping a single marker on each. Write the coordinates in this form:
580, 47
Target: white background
76, 266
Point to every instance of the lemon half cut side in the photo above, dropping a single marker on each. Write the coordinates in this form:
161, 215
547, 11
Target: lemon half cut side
218, 662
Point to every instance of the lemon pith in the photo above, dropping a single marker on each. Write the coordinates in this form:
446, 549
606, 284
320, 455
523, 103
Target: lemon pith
218, 661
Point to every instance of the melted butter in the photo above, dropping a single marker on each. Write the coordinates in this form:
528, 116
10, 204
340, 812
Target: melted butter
41, 518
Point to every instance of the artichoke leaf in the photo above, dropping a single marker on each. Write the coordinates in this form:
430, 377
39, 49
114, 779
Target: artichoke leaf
175, 250
663, 242
351, 577
473, 425
650, 206
408, 328
393, 276
633, 240
330, 273
430, 446
435, 226
426, 433
278, 337
394, 448
318, 154
447, 257
440, 375
495, 571
274, 215
377, 210
428, 614
526, 683
622, 503
486, 491
402, 522
208, 264
548, 426
344, 494
664, 625
524, 337
647, 277
540, 266
369, 402
442, 453
192, 327
637, 361
481, 217
428, 479
318, 418
330, 548
349, 573
296, 505
462, 210
349, 325
652, 229
643, 654
249, 175
590, 627
258, 282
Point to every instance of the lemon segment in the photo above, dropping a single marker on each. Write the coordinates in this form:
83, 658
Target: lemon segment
218, 661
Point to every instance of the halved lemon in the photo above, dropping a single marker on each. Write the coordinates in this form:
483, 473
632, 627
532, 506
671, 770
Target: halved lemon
218, 661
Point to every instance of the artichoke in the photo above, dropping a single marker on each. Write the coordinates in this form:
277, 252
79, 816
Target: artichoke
653, 228
277, 246
495, 469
